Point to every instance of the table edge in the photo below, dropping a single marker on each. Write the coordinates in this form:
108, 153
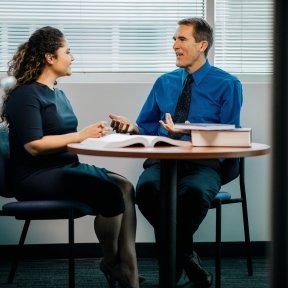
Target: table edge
173, 152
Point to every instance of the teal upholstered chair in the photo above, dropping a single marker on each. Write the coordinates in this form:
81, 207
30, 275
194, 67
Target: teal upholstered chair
232, 169
36, 210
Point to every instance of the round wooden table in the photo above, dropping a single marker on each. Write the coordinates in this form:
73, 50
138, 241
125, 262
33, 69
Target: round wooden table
168, 156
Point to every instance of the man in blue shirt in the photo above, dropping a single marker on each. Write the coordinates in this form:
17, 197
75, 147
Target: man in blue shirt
216, 97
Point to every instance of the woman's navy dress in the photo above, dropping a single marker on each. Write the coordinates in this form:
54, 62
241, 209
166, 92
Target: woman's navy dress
34, 111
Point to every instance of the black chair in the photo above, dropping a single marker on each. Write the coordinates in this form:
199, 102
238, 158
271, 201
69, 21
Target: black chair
232, 169
36, 210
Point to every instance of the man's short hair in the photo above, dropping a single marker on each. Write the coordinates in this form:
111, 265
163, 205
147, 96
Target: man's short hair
202, 30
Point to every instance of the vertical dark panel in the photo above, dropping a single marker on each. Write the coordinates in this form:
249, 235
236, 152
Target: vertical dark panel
279, 191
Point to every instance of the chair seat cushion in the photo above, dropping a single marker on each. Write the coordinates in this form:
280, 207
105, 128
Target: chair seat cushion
222, 196
46, 209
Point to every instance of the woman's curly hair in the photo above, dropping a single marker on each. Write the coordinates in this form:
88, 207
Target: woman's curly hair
29, 60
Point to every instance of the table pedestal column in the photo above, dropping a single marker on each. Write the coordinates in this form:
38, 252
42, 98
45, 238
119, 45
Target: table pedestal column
167, 247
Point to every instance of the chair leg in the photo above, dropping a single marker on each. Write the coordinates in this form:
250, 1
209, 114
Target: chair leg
18, 251
247, 238
245, 218
218, 247
71, 250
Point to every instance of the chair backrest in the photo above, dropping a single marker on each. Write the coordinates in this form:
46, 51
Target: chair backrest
5, 189
230, 169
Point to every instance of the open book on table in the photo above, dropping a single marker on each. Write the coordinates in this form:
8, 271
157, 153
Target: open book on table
126, 140
203, 126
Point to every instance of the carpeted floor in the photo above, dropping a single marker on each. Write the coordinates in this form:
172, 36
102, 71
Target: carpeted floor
52, 273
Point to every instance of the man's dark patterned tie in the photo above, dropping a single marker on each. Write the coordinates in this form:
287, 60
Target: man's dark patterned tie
183, 106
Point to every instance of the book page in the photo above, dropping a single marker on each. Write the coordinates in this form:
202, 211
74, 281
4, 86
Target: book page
115, 141
163, 140
126, 140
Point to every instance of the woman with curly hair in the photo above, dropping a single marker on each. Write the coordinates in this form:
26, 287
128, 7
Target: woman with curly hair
41, 123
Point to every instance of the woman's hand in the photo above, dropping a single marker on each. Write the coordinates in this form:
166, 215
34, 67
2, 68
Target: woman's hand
121, 124
95, 130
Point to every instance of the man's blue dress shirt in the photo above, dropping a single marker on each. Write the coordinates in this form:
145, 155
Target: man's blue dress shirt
216, 98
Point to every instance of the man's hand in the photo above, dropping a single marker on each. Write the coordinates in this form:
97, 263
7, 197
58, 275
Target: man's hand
121, 124
169, 125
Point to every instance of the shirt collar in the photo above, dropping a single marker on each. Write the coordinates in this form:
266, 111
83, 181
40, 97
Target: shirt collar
199, 74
